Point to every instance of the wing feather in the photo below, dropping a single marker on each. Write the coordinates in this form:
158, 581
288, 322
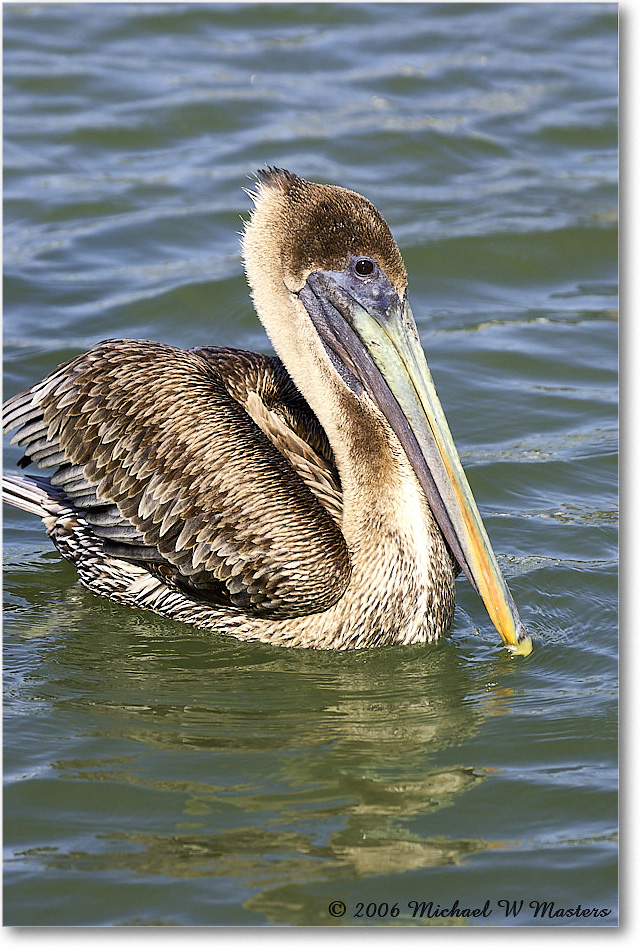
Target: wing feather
160, 449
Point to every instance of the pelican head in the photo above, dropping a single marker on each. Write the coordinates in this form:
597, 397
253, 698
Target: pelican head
329, 283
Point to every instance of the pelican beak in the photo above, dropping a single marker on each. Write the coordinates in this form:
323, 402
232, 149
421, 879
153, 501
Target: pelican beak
373, 340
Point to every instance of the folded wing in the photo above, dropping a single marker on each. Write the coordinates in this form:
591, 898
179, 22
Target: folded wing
206, 464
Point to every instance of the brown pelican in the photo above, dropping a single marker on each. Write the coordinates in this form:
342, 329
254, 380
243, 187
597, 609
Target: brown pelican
314, 499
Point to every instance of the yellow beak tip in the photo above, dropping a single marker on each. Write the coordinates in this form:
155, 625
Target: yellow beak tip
523, 647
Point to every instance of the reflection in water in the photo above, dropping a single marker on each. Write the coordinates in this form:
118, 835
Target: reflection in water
343, 749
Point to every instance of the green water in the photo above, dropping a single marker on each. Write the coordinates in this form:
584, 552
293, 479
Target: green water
155, 774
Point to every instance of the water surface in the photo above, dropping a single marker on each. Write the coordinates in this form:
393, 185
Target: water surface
155, 774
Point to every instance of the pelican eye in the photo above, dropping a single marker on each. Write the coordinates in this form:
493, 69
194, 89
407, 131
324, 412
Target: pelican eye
364, 267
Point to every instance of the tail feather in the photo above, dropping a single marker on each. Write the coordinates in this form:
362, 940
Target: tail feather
126, 583
33, 494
